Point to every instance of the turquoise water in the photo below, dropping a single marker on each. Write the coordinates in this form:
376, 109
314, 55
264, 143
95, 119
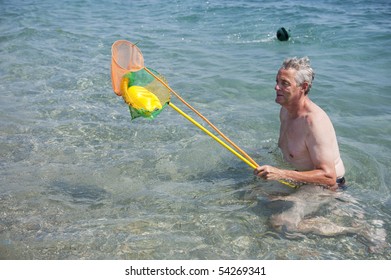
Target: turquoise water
78, 180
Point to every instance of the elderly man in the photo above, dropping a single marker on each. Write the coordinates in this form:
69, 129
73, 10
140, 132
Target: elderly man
307, 137
308, 142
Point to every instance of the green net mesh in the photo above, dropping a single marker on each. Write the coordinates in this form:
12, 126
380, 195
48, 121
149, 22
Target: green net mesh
144, 79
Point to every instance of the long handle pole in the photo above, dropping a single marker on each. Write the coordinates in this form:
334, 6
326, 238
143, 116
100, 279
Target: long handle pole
204, 118
253, 166
212, 135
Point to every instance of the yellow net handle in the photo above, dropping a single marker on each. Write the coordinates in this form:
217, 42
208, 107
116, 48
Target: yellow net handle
249, 159
212, 135
253, 166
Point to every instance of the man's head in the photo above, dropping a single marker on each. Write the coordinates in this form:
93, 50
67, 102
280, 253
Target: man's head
304, 73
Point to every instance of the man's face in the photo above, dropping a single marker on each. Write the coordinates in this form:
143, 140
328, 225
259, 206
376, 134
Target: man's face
286, 87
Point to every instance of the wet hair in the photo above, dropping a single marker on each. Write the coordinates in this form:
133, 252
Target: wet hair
304, 71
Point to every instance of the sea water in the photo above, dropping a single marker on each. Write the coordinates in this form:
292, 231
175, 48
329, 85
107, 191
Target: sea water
80, 180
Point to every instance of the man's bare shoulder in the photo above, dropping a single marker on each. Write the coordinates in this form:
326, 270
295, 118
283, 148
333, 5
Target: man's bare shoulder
316, 116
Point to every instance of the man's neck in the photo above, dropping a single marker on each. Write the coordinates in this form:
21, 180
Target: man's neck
298, 108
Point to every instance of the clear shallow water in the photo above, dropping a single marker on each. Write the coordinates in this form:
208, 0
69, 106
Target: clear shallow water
78, 180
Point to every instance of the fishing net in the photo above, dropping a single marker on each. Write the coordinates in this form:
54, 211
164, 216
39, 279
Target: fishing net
125, 57
140, 89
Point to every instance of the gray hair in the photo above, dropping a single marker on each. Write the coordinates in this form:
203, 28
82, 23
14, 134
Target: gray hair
304, 71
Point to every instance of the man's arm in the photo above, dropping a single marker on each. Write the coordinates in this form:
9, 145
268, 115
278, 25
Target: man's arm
320, 144
318, 176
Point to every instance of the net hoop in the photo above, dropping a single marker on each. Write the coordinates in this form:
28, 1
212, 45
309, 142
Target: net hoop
125, 57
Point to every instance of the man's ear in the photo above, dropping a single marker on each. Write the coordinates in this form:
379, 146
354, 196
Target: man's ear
305, 87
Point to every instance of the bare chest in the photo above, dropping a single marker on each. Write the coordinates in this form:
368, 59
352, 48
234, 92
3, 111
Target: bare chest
292, 143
